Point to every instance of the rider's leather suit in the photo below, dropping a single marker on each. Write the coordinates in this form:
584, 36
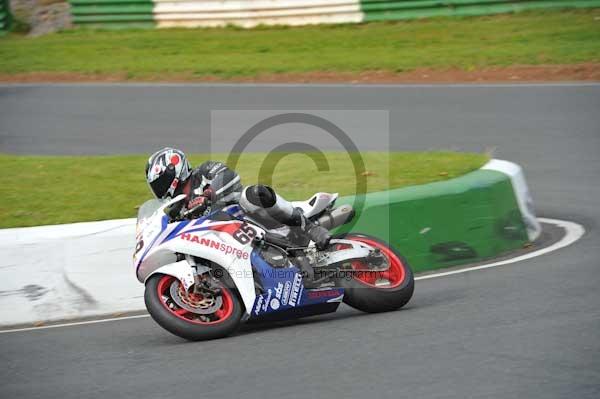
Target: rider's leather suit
223, 186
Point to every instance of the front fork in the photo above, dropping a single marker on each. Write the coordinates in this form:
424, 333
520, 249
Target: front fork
203, 280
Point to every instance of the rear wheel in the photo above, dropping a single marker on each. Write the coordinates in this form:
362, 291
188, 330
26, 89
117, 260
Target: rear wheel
193, 316
377, 291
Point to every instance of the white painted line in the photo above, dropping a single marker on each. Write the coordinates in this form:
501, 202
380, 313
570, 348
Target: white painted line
573, 230
75, 323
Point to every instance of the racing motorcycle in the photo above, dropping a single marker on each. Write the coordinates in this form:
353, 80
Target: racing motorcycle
205, 276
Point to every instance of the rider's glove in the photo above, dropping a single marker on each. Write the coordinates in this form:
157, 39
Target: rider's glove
209, 194
196, 207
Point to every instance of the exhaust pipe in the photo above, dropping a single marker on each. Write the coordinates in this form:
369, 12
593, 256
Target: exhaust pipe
336, 217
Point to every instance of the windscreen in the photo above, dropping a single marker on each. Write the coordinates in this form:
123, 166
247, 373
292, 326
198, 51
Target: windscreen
148, 208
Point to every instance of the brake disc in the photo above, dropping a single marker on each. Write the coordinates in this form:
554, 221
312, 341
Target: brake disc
205, 302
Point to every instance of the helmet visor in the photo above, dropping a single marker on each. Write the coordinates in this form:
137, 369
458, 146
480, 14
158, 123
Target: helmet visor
161, 185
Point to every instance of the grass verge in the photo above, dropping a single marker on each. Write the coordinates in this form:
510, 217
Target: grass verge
529, 38
43, 190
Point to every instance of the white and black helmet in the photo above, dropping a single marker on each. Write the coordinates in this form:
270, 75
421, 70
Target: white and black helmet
165, 170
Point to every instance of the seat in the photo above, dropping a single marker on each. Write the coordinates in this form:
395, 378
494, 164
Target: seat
315, 204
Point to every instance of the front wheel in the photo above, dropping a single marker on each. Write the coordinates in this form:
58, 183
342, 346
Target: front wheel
189, 315
377, 291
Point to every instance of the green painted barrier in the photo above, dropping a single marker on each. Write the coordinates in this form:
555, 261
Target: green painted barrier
113, 13
381, 10
463, 220
5, 17
130, 13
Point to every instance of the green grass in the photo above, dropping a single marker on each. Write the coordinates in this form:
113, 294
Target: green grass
50, 190
530, 38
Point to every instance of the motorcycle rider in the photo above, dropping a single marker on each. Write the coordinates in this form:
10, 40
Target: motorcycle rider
169, 174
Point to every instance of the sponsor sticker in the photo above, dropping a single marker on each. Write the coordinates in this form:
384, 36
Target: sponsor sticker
278, 290
268, 300
220, 246
275, 304
285, 296
322, 294
258, 306
296, 289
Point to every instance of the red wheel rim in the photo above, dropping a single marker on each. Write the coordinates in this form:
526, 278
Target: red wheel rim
394, 274
217, 317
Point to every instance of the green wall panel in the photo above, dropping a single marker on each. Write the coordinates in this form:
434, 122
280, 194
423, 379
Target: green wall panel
113, 13
5, 17
380, 10
443, 224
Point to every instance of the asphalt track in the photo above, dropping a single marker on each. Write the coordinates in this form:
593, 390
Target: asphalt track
529, 329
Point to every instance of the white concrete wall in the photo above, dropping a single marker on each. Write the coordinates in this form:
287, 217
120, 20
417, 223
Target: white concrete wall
524, 200
68, 271
250, 13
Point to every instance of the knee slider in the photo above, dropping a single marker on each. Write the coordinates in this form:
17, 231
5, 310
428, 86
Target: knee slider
261, 196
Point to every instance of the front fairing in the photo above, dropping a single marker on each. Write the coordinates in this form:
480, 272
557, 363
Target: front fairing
155, 236
151, 221
215, 238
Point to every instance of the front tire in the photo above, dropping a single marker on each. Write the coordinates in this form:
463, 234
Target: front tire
378, 291
189, 325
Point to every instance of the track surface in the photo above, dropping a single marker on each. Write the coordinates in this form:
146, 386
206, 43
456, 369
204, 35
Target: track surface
530, 329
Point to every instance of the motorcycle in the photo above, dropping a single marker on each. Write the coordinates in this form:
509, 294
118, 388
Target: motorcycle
206, 276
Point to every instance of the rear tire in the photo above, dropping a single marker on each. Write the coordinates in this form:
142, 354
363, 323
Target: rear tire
188, 325
361, 290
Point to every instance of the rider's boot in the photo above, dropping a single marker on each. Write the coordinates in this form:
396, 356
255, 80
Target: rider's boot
318, 234
307, 271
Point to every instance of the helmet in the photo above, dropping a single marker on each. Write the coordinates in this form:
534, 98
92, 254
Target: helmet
165, 170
